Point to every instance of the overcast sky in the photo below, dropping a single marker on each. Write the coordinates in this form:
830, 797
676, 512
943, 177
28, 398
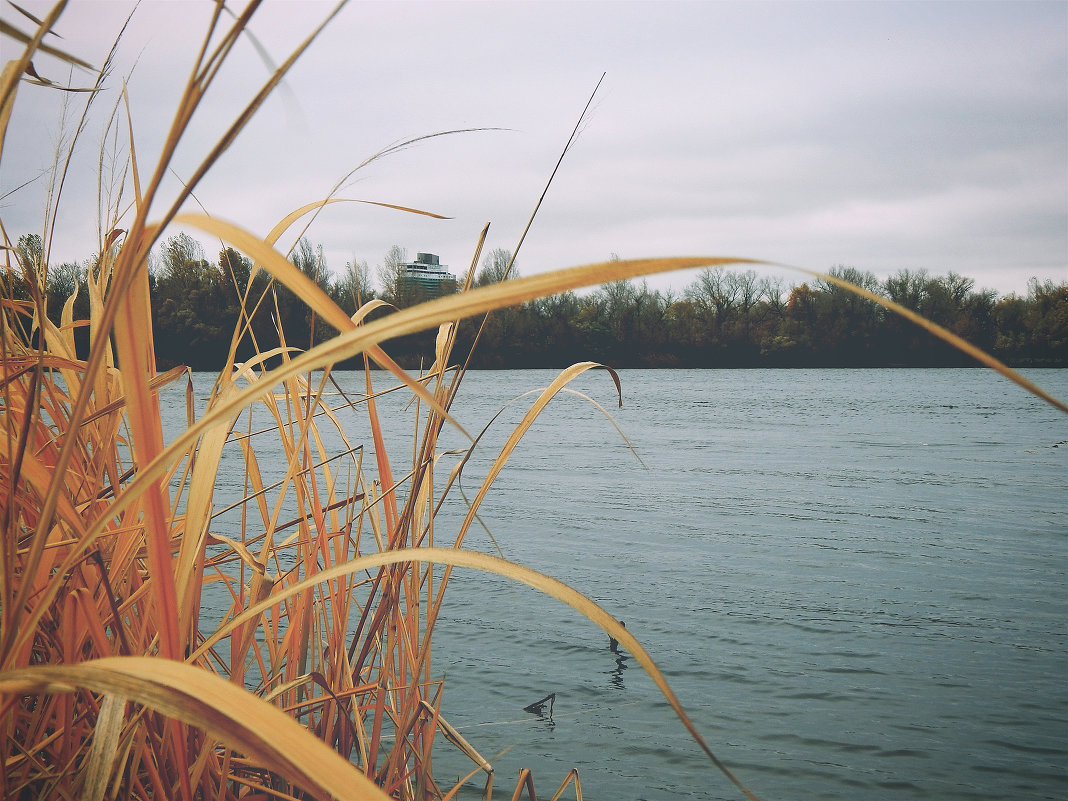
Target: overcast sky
875, 135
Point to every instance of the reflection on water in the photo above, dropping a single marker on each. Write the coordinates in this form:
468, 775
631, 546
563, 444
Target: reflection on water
616, 673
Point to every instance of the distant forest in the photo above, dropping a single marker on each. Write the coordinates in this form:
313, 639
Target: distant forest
724, 318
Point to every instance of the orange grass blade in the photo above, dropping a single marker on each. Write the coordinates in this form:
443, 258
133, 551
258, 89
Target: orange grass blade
197, 515
571, 777
40, 477
228, 713
284, 224
362, 312
139, 200
454, 737
157, 383
385, 473
137, 367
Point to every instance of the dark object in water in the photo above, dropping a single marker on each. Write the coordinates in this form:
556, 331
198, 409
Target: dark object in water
613, 643
538, 707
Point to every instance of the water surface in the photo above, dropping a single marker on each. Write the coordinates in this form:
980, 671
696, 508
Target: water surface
855, 581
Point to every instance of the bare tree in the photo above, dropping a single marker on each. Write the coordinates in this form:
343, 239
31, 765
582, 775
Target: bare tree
774, 293
746, 289
715, 292
495, 267
357, 278
958, 287
64, 280
390, 272
618, 301
353, 288
907, 287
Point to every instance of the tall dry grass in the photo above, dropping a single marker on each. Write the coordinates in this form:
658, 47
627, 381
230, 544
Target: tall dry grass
112, 684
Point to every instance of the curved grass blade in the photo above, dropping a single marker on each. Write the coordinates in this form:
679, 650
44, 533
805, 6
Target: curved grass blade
310, 292
510, 445
454, 557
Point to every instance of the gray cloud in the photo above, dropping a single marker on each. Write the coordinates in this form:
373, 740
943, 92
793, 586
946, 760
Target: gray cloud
879, 135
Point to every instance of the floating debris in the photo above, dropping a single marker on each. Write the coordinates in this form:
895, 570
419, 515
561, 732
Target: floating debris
538, 707
613, 643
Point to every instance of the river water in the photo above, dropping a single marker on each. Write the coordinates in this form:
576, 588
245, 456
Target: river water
856, 581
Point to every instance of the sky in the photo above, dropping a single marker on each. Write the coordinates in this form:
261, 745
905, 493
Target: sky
876, 135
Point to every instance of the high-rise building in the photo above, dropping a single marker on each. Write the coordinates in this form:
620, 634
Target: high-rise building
429, 274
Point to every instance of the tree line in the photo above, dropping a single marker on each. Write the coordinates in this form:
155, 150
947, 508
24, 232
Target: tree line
724, 318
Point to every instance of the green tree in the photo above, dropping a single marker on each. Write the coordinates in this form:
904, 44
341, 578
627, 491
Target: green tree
182, 262
192, 320
30, 253
1011, 332
235, 271
298, 323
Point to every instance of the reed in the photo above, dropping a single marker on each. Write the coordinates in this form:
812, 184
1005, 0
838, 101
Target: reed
317, 682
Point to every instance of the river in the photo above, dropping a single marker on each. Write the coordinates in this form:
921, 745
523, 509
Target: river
854, 580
